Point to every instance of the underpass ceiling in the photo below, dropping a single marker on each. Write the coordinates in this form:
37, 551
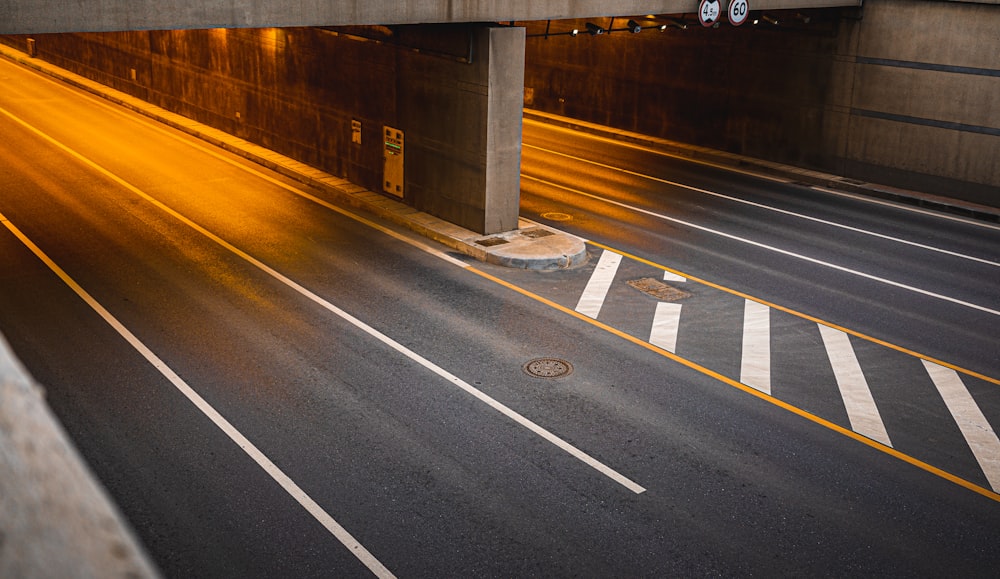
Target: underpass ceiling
43, 16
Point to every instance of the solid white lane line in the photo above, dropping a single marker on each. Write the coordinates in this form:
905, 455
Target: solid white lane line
861, 409
755, 367
975, 428
286, 483
592, 299
906, 207
774, 209
496, 405
772, 248
666, 323
765, 176
217, 154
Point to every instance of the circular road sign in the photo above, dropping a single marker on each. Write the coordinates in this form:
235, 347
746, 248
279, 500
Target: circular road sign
738, 11
708, 12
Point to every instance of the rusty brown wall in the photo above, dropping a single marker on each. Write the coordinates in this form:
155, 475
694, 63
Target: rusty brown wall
904, 92
297, 91
759, 91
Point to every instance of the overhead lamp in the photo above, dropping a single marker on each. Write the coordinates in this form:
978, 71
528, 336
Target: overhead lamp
634, 27
594, 29
679, 24
769, 19
574, 32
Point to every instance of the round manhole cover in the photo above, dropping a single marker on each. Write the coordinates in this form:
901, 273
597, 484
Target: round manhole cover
548, 368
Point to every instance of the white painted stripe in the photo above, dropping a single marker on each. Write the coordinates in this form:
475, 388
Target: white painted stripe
970, 419
670, 276
861, 409
214, 152
499, 407
286, 483
765, 176
771, 248
906, 207
666, 322
774, 209
755, 367
592, 299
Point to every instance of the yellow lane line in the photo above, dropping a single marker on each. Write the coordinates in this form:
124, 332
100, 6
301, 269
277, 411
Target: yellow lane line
738, 385
798, 314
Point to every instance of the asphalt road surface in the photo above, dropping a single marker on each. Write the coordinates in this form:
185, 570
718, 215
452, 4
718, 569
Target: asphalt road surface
268, 387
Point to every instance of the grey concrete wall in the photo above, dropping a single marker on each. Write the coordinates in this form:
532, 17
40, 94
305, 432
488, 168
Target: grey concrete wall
907, 95
55, 518
297, 91
40, 16
923, 80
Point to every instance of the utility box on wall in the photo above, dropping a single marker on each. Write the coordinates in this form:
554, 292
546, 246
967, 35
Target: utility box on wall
392, 180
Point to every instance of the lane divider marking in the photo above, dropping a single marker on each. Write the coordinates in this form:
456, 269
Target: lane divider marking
276, 474
480, 395
770, 207
970, 419
801, 315
593, 296
858, 400
666, 326
763, 176
674, 275
778, 250
755, 363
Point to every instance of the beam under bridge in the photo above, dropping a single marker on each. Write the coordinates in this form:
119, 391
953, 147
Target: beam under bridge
42, 16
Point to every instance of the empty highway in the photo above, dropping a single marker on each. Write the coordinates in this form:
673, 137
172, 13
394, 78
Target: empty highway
269, 385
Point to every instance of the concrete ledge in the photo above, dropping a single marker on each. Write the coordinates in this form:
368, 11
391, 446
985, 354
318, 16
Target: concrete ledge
55, 518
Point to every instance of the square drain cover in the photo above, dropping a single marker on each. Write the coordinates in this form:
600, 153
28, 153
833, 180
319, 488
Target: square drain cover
491, 241
658, 289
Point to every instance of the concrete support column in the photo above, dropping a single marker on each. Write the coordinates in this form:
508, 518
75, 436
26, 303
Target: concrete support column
463, 131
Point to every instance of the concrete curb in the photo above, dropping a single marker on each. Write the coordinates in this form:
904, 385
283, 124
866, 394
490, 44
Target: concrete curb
510, 249
55, 518
798, 174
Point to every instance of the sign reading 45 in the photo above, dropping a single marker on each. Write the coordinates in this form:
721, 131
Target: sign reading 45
708, 12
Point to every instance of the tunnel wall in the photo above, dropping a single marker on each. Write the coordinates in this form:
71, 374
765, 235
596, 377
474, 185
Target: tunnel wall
904, 93
297, 91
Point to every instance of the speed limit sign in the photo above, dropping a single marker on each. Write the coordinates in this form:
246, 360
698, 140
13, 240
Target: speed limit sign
738, 11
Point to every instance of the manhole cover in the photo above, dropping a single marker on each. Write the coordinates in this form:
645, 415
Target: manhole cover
536, 233
548, 368
658, 289
491, 241
557, 216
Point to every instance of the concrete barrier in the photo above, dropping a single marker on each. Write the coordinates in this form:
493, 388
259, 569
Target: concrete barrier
55, 518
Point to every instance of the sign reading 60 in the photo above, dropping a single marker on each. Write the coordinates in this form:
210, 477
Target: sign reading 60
738, 11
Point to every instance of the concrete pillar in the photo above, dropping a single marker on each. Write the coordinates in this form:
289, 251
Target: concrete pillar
463, 130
